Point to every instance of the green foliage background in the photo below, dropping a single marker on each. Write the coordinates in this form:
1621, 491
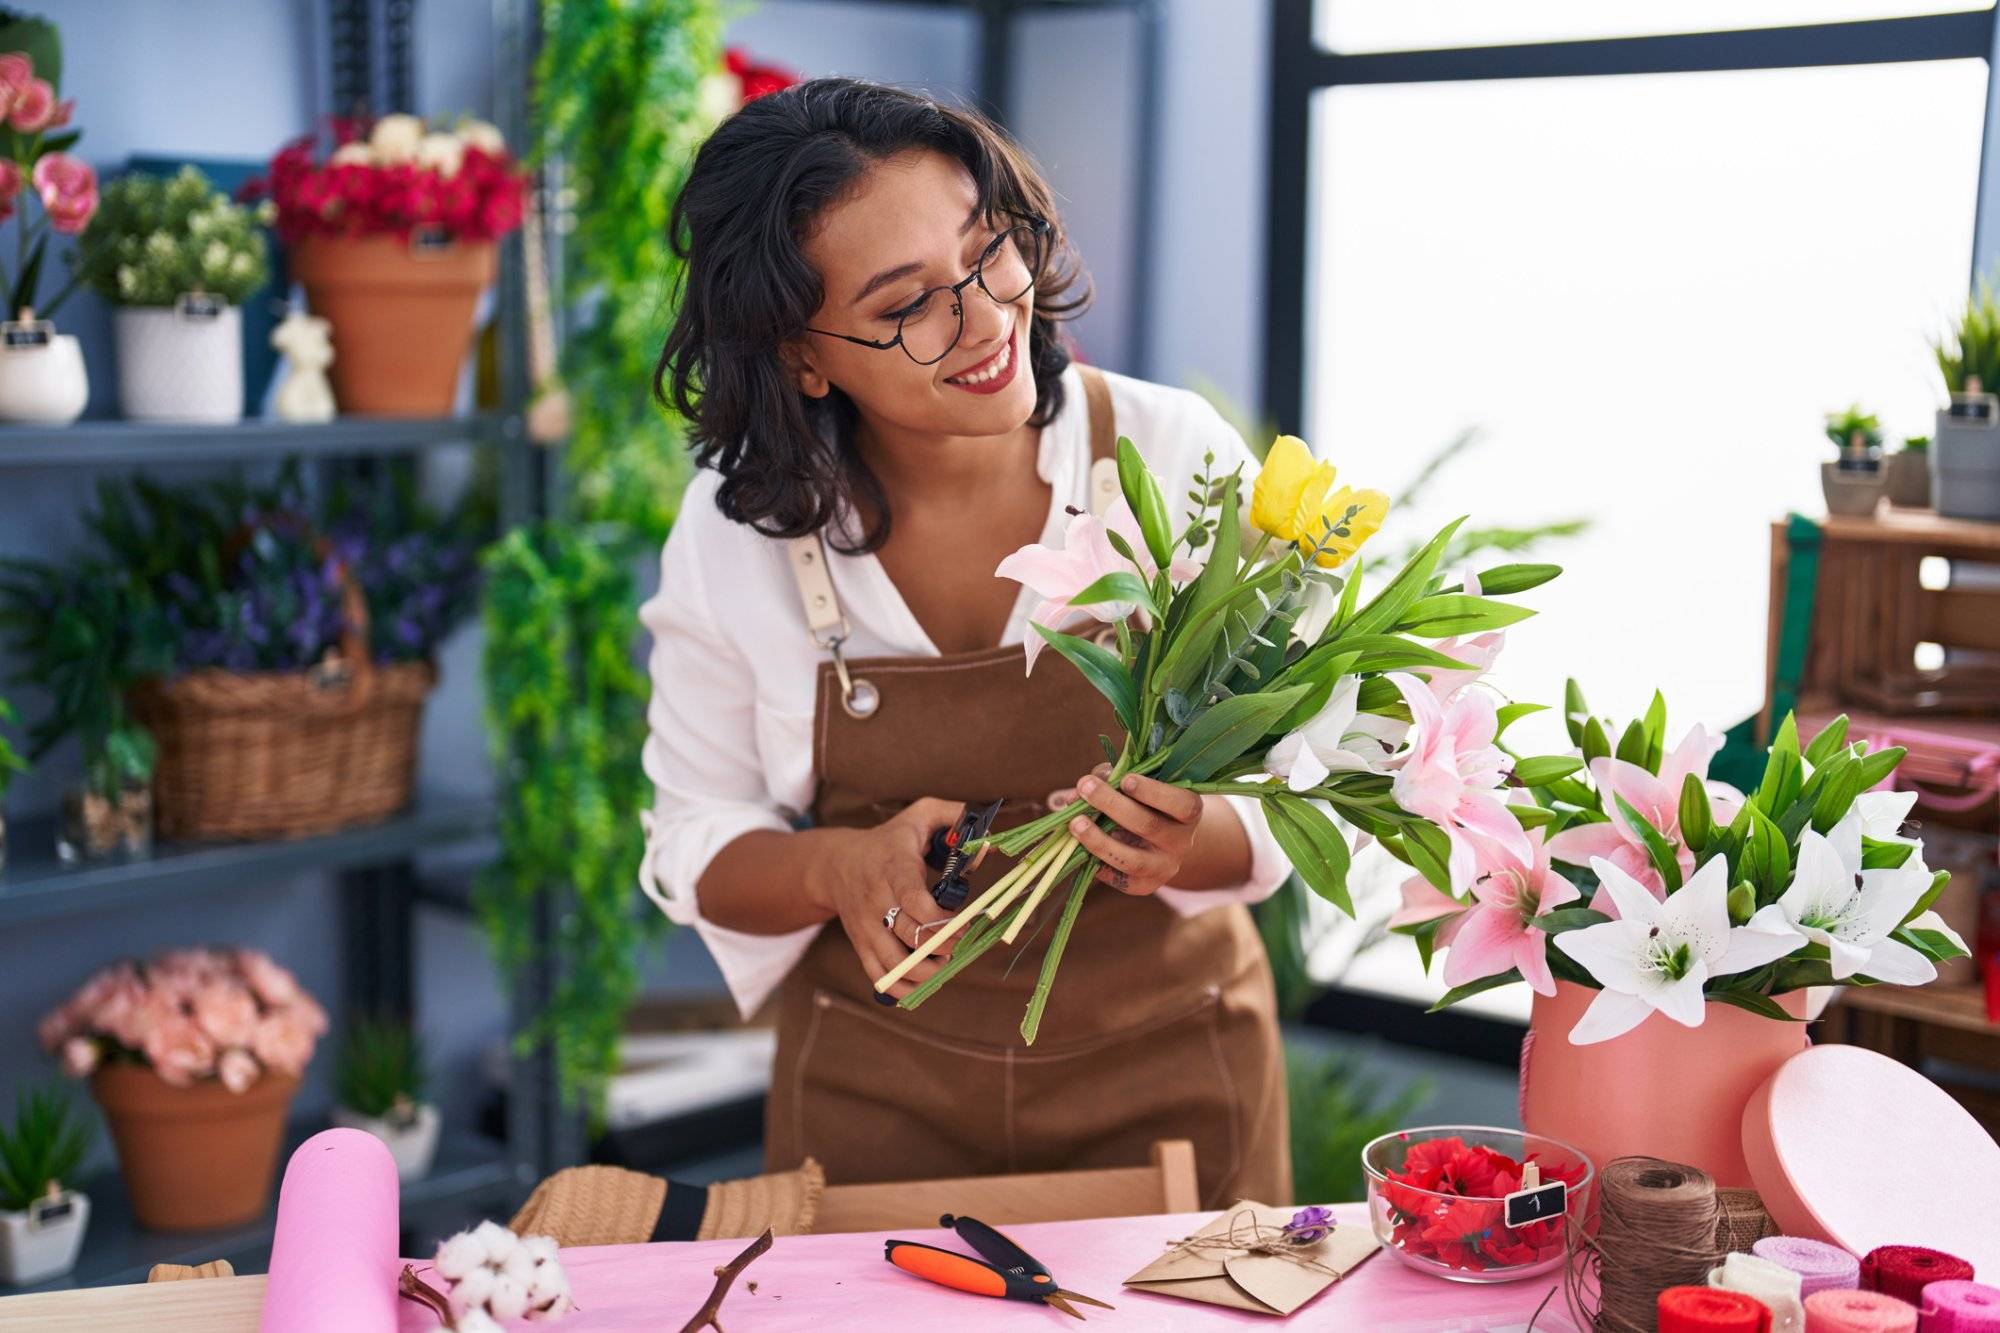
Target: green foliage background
617, 109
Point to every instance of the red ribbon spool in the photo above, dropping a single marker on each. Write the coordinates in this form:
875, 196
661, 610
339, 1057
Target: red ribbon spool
1712, 1310
1903, 1271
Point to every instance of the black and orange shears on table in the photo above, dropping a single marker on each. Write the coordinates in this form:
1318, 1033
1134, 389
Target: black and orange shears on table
1010, 1271
947, 855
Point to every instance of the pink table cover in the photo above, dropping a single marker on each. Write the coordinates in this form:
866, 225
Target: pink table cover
822, 1284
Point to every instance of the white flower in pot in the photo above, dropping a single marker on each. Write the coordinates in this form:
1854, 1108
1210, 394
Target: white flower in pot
41, 1220
176, 258
42, 375
379, 1084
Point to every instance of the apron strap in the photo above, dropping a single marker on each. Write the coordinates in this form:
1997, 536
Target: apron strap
807, 554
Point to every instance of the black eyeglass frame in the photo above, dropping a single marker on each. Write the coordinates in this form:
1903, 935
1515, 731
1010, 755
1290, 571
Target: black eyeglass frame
1040, 228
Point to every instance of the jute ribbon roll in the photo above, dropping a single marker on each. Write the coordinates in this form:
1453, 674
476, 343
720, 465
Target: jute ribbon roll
1655, 1229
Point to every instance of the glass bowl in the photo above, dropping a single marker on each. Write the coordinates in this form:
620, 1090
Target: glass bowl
1435, 1200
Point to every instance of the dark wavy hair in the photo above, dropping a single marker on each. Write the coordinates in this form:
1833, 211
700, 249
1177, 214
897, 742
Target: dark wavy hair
788, 461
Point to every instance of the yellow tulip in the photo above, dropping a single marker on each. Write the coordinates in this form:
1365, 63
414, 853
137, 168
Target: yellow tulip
1289, 489
1343, 521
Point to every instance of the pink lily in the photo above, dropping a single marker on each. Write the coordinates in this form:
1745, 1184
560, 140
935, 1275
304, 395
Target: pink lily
1086, 555
1479, 652
1452, 772
1496, 933
1657, 799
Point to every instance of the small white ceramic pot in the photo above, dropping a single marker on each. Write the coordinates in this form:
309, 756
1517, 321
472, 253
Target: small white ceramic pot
412, 1145
43, 1241
44, 384
174, 367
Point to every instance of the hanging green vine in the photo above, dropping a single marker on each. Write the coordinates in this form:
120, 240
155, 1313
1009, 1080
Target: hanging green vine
617, 104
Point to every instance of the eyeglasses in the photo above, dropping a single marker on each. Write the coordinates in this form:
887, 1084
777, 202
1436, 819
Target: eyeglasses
929, 327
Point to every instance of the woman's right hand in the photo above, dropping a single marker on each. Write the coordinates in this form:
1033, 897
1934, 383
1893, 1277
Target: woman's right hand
871, 870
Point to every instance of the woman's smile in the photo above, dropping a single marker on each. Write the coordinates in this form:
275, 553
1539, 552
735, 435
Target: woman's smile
993, 374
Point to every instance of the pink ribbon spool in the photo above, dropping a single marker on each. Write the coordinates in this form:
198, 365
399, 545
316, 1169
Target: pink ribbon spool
1858, 1312
1960, 1307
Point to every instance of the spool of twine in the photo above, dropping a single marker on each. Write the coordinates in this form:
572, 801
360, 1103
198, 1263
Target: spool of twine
1656, 1229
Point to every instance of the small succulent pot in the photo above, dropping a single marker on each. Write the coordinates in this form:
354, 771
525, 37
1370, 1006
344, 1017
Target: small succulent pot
95, 825
411, 1134
1907, 479
43, 1240
1851, 492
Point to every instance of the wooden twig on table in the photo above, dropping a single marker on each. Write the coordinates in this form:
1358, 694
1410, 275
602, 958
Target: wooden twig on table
413, 1288
706, 1317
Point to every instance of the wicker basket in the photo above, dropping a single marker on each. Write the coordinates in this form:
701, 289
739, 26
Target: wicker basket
286, 754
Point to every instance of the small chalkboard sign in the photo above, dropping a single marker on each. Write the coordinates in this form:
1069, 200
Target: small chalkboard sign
45, 1213
1974, 407
1538, 1203
17, 336
429, 240
199, 307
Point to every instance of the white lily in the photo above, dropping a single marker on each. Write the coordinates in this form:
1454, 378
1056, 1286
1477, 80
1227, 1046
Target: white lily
1657, 956
1932, 921
1832, 901
1337, 740
1882, 814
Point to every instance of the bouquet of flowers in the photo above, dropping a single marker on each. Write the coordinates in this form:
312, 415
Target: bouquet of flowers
227, 1014
35, 140
398, 176
1642, 879
1245, 664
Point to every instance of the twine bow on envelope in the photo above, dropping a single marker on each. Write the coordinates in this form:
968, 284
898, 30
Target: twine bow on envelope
1242, 1261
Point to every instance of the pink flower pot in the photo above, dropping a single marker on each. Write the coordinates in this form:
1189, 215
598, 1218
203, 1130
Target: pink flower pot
1661, 1090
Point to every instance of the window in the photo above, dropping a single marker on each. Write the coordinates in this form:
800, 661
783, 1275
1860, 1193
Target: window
1415, 25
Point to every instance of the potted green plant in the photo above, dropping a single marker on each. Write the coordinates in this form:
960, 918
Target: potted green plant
42, 1220
176, 259
1907, 479
1965, 456
42, 375
1853, 481
379, 1087
11, 766
84, 632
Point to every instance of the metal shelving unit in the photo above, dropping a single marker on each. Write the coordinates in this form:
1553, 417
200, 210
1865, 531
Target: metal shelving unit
378, 886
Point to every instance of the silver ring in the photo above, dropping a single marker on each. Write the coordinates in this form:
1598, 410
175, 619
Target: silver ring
889, 917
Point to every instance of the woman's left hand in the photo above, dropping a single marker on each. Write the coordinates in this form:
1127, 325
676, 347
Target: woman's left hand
1154, 828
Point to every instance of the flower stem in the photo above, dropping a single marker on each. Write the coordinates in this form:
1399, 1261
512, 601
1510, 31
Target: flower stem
1057, 865
1039, 1001
950, 928
1019, 877
977, 941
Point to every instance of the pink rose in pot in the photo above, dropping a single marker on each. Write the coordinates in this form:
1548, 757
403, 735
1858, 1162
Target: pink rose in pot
68, 188
273, 984
178, 1051
34, 108
237, 1069
16, 73
226, 1012
283, 1042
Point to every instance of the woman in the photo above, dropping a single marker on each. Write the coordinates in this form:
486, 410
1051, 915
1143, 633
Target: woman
882, 406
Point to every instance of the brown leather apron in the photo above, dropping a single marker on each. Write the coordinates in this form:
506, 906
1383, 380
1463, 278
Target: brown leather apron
1160, 1026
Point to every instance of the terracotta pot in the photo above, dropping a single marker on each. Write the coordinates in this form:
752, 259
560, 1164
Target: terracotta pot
401, 316
198, 1157
1662, 1090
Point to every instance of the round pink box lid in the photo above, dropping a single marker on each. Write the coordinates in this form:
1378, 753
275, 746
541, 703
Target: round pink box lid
1852, 1147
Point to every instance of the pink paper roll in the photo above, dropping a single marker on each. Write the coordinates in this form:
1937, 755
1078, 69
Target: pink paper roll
1858, 1312
1820, 1266
1960, 1307
333, 1259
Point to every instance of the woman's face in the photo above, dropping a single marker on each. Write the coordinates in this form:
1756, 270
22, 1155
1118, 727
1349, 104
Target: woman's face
908, 226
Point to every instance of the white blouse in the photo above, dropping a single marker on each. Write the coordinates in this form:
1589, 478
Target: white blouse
734, 669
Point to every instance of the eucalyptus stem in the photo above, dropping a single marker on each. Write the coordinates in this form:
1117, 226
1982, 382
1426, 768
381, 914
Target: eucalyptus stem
1053, 958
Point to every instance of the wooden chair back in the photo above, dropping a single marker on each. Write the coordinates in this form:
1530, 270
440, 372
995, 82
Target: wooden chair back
1166, 1184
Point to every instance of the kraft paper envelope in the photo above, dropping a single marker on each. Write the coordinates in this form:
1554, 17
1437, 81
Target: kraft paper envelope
1260, 1283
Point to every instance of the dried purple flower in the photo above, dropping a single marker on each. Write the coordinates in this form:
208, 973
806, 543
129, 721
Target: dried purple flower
1309, 1225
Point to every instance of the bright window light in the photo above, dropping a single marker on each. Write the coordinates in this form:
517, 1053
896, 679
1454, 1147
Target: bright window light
1355, 26
1644, 292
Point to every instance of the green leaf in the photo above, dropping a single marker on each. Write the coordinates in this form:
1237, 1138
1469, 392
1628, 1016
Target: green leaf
1387, 607
1568, 918
1761, 1005
1349, 595
1656, 732
1881, 854
1658, 849
1696, 818
1784, 772
1932, 944
1218, 573
1939, 879
1222, 734
1509, 714
1533, 816
1313, 845
1879, 764
1118, 586
1542, 769
1502, 580
1472, 988
1142, 493
1596, 745
1578, 794
1828, 742
1429, 850
1425, 934
1447, 613
1766, 860
1839, 784
1632, 744
1575, 710
1103, 669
